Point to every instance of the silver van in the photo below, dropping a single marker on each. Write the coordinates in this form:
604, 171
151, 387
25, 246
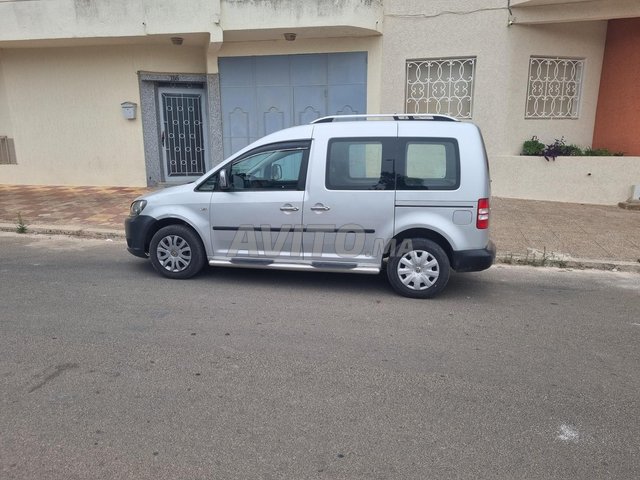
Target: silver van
355, 194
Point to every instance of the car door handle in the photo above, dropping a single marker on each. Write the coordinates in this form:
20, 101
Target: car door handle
318, 207
289, 208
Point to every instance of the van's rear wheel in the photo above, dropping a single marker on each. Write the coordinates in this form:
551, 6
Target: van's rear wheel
418, 268
176, 252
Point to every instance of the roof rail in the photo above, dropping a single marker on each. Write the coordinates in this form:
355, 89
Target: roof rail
387, 116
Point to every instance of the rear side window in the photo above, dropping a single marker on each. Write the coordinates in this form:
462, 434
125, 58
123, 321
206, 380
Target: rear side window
358, 164
429, 164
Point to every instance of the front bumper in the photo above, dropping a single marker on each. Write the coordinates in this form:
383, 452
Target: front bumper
136, 230
474, 260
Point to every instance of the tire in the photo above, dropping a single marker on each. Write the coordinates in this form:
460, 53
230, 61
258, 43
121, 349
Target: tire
176, 252
418, 268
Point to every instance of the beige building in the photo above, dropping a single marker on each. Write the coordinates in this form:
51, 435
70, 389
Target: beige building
141, 92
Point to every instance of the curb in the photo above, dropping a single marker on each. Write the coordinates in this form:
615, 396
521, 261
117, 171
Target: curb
70, 230
568, 262
630, 205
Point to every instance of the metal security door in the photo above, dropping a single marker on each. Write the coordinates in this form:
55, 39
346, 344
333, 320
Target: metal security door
260, 95
182, 136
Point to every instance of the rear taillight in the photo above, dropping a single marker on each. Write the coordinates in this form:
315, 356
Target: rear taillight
482, 219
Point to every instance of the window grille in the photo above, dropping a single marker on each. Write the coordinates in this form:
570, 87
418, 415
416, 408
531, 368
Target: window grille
554, 87
441, 86
7, 151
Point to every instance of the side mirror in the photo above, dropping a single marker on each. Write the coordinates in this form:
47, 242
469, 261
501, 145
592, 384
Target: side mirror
223, 181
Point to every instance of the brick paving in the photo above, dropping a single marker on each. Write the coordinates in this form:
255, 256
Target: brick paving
99, 207
580, 231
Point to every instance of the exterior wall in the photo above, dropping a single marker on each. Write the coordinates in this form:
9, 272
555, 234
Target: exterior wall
592, 180
6, 126
66, 65
77, 19
267, 19
502, 51
554, 11
579, 40
413, 30
407, 36
77, 134
618, 118
71, 84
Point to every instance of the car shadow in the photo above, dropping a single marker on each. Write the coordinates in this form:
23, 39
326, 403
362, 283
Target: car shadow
298, 280
460, 286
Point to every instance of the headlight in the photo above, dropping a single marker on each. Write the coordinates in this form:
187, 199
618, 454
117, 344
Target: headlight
137, 207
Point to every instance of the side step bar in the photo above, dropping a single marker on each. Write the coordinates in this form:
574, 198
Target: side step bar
239, 262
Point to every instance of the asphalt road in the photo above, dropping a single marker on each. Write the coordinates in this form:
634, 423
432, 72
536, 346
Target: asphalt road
109, 371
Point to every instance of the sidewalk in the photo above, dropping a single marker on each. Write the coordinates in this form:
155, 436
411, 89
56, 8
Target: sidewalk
525, 231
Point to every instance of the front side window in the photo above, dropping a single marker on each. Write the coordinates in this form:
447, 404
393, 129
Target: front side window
357, 164
554, 87
429, 164
273, 170
440, 86
273, 167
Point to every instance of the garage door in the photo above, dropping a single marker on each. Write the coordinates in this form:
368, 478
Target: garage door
261, 95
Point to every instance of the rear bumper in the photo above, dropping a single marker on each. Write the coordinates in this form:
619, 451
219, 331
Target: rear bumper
136, 230
474, 260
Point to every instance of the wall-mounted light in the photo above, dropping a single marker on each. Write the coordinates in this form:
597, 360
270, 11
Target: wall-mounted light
290, 37
129, 110
177, 40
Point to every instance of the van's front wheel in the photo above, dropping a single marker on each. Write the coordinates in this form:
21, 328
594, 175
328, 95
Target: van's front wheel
176, 252
418, 268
